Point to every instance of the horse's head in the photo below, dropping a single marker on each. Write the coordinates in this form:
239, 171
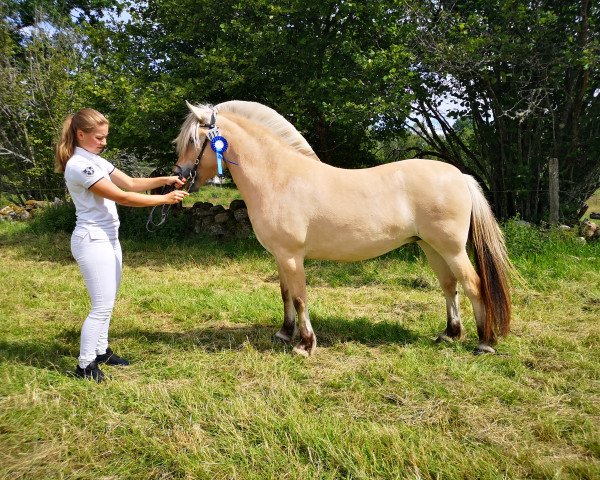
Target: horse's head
196, 161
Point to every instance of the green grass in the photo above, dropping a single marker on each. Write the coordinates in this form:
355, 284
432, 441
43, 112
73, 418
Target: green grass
209, 396
593, 204
217, 194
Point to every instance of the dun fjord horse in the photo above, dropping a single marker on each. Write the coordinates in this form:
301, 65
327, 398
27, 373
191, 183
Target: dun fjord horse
302, 208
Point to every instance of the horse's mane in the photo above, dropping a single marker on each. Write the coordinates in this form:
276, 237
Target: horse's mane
256, 112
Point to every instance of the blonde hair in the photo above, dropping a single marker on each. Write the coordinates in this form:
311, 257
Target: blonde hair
86, 120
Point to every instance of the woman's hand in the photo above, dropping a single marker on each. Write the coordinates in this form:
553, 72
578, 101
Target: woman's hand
175, 196
176, 181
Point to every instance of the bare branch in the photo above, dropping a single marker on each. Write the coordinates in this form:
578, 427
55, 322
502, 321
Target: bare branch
6, 151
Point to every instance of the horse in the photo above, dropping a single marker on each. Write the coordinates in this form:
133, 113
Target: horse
300, 207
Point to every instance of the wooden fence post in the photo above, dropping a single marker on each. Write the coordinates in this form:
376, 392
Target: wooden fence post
553, 190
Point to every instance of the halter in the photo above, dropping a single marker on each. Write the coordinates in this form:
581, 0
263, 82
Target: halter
213, 133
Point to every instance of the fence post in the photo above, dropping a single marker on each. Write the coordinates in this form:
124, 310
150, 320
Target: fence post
553, 189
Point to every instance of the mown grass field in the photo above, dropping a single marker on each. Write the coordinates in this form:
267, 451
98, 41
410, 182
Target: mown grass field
210, 396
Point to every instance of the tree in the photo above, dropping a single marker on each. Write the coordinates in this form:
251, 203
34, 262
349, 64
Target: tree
526, 76
39, 87
322, 64
54, 60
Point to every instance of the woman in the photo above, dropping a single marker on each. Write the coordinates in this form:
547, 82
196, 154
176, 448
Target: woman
95, 186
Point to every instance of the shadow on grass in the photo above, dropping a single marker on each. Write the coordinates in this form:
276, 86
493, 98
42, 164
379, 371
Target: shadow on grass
329, 331
55, 353
49, 355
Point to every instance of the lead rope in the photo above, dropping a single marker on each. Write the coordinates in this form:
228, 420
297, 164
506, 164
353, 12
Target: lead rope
164, 211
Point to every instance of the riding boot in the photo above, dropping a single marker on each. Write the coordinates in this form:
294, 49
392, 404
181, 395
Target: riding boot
91, 372
111, 359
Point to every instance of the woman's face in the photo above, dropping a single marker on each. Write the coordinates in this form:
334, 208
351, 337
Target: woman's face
94, 141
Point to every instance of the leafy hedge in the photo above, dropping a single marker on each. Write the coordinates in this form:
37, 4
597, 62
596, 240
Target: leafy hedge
61, 218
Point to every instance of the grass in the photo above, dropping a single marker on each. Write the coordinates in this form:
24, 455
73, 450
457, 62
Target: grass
217, 194
593, 204
209, 396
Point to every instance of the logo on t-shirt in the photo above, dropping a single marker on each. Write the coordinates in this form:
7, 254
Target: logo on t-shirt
89, 171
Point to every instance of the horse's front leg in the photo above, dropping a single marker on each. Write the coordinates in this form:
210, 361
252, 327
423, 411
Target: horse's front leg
288, 329
294, 279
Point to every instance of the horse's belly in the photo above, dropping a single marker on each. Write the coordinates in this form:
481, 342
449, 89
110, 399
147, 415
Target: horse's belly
350, 247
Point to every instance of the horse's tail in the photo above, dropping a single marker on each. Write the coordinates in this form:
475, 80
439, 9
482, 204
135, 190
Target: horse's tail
492, 265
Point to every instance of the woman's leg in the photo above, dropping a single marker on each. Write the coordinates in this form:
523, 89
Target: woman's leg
101, 269
102, 344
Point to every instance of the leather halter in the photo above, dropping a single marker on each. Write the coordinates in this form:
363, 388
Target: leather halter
151, 226
191, 178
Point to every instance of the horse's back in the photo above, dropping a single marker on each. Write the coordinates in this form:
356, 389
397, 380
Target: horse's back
364, 213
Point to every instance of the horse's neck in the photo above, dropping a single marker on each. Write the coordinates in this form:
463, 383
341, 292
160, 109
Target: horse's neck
254, 170
258, 162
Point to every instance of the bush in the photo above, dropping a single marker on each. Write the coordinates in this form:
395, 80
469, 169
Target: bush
134, 220
61, 218
55, 218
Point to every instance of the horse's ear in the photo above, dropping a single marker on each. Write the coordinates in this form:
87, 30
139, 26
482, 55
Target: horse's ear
196, 111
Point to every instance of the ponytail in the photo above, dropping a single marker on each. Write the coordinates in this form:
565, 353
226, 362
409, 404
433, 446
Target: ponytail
86, 120
65, 146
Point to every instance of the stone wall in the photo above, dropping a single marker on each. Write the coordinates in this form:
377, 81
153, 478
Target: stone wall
14, 212
218, 221
204, 218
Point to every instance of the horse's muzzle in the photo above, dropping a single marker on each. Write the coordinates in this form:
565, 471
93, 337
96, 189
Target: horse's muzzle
182, 172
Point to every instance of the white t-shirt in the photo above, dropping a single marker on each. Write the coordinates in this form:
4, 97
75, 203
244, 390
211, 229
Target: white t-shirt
96, 215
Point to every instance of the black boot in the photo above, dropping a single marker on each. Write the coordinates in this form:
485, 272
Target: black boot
111, 359
91, 372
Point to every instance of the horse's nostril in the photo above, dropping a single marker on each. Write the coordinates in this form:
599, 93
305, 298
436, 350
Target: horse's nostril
181, 172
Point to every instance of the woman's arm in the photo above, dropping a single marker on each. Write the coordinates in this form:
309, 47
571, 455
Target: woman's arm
122, 180
105, 188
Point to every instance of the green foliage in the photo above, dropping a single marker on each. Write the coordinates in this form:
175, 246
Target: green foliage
525, 240
54, 219
323, 65
524, 79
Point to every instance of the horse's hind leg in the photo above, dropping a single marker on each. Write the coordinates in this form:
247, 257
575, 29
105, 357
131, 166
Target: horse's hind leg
454, 329
465, 273
288, 329
292, 268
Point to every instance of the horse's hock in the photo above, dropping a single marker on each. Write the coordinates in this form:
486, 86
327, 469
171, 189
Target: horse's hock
218, 221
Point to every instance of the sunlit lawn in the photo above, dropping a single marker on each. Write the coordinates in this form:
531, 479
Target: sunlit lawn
209, 395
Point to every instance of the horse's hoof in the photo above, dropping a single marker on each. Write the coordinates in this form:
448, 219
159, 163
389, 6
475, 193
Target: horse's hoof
483, 348
443, 338
301, 351
282, 338
306, 348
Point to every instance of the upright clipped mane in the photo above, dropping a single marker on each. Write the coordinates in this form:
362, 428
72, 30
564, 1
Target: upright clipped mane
255, 112
272, 120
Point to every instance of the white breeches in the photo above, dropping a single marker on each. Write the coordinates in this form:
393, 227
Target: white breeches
100, 262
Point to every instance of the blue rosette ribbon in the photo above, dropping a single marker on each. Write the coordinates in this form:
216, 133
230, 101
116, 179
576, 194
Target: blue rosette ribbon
219, 145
